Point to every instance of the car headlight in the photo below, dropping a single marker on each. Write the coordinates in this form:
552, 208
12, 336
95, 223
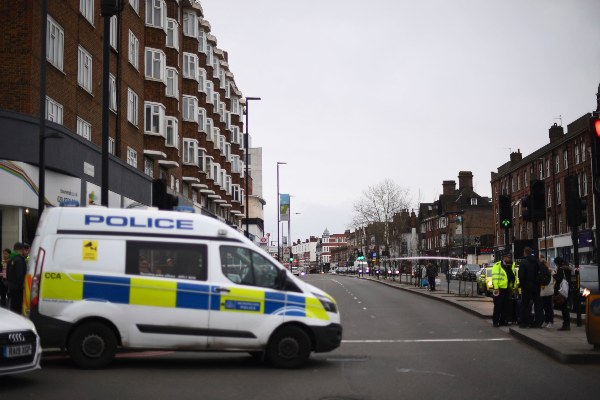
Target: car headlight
327, 303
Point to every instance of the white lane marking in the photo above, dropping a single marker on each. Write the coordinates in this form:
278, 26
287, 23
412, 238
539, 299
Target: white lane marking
425, 340
405, 370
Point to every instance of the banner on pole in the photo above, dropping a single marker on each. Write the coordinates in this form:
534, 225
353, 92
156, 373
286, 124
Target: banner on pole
284, 207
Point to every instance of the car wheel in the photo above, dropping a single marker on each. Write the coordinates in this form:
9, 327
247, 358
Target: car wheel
92, 345
289, 347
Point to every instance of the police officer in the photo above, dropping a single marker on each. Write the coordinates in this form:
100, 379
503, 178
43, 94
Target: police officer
15, 276
503, 280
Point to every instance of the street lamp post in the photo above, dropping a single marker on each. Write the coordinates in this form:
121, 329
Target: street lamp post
278, 211
246, 137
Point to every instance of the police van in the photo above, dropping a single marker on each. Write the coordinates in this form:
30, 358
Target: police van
104, 279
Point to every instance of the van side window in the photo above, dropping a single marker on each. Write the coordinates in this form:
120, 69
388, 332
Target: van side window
243, 266
169, 260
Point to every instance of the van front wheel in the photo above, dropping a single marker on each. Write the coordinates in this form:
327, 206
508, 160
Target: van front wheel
92, 345
289, 347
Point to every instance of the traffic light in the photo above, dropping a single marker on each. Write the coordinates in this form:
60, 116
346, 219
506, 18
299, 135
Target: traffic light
526, 208
361, 256
538, 200
160, 198
504, 211
291, 257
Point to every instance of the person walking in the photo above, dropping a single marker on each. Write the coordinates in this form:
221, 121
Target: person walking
546, 294
530, 291
503, 280
15, 274
431, 273
563, 271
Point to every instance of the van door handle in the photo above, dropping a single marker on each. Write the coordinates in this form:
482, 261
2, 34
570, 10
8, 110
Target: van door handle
222, 290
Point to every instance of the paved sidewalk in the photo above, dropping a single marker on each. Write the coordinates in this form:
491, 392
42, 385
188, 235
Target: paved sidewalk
565, 346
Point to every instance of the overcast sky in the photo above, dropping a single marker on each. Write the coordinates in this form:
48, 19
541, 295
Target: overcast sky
354, 92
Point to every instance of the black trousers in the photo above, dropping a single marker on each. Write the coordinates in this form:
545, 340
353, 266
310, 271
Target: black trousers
3, 294
502, 307
530, 297
15, 301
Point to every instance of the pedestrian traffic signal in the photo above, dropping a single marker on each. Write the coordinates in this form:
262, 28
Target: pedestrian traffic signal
526, 208
504, 211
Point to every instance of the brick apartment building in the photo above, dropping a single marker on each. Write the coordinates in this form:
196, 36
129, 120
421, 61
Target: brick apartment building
566, 154
458, 224
176, 112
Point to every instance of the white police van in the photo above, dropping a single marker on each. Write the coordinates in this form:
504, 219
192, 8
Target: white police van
103, 279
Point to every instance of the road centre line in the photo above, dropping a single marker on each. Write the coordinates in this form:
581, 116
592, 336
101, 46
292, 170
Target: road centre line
425, 340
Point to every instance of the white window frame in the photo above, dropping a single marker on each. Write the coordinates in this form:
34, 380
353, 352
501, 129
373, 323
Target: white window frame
55, 44
190, 24
112, 93
156, 14
86, 7
190, 66
149, 167
172, 33
576, 149
135, 4
201, 40
154, 119
189, 110
566, 159
557, 164
201, 159
132, 106
558, 193
583, 152
54, 111
190, 151
202, 80
172, 81
155, 64
134, 50
131, 157
113, 39
209, 129
84, 69
84, 129
201, 119
172, 132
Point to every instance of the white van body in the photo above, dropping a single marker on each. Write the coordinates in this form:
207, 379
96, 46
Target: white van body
104, 278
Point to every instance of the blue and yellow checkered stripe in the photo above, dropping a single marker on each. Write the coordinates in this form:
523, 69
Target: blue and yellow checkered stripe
143, 291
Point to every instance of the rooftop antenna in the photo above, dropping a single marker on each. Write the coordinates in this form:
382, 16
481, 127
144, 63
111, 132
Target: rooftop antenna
559, 119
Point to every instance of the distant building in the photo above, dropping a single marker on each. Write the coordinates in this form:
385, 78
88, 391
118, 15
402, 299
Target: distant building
566, 154
459, 224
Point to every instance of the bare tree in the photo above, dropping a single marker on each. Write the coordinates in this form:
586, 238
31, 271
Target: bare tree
379, 204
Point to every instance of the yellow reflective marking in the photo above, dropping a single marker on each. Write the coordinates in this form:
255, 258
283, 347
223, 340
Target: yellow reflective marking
89, 250
61, 286
153, 292
314, 309
243, 300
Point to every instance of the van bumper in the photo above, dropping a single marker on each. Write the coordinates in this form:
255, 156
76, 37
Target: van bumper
52, 331
327, 337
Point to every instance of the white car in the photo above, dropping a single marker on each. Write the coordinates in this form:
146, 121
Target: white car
20, 349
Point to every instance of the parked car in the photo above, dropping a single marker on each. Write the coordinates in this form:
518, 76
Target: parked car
454, 272
20, 349
484, 282
469, 272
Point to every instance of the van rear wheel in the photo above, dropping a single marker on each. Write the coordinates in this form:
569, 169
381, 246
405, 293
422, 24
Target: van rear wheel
289, 347
92, 345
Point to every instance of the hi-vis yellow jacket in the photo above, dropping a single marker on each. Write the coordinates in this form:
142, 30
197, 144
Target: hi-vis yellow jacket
499, 277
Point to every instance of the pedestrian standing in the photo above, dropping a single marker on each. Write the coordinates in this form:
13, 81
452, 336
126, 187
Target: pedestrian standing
503, 280
431, 273
17, 269
546, 294
530, 291
563, 271
3, 281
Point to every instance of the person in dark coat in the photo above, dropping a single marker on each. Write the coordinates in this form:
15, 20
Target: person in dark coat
563, 271
431, 273
15, 276
530, 291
